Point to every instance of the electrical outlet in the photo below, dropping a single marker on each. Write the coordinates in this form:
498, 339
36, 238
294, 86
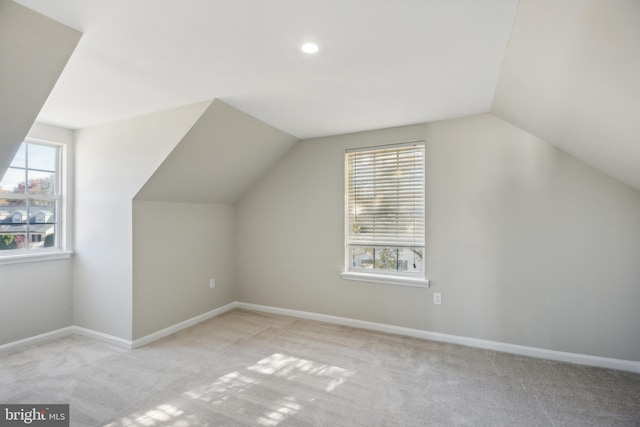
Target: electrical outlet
212, 283
437, 298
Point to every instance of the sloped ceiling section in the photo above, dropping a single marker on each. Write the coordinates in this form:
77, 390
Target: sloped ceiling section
381, 63
571, 76
33, 52
222, 155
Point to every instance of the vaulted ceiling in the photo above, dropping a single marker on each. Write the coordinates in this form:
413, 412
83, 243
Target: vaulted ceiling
221, 156
30, 64
565, 70
571, 75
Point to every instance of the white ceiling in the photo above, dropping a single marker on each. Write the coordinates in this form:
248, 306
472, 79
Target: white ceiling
565, 70
381, 63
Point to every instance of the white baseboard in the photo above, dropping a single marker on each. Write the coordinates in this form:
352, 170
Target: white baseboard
182, 325
47, 336
581, 359
100, 336
147, 339
111, 339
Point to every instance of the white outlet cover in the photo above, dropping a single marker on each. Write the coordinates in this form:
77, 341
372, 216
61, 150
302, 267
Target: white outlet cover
212, 283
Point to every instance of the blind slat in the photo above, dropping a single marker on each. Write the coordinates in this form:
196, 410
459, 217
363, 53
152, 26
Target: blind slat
386, 196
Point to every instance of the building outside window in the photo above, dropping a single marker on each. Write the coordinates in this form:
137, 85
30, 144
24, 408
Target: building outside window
385, 214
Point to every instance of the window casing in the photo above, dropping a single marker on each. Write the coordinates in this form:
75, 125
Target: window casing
31, 202
385, 214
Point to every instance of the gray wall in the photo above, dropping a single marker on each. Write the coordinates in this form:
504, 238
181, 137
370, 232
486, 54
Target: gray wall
184, 218
159, 157
177, 249
527, 245
113, 162
37, 297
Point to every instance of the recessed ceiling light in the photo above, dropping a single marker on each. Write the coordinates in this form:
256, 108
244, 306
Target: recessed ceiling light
309, 48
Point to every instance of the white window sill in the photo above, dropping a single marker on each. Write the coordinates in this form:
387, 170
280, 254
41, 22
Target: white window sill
34, 257
418, 282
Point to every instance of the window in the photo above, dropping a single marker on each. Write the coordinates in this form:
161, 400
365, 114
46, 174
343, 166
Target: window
30, 201
385, 214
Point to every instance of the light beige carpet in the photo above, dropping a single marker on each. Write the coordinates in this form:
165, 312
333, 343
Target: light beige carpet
252, 369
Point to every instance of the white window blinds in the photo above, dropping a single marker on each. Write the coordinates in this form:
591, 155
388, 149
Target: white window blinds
386, 196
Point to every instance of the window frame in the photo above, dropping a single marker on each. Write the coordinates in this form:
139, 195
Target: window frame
60, 250
393, 277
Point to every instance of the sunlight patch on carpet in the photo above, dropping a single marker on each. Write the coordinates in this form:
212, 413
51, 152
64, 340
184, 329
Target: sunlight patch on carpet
292, 368
285, 408
217, 392
269, 391
161, 414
